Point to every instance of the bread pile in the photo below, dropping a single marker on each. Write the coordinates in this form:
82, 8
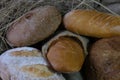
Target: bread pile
103, 59
64, 52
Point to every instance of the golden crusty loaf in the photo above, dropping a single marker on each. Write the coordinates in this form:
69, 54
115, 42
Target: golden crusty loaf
66, 55
33, 26
92, 23
104, 60
66, 52
25, 63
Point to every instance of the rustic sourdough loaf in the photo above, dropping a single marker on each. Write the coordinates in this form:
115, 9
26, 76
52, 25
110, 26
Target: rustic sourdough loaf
25, 63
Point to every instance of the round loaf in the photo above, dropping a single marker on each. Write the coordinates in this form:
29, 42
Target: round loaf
104, 60
25, 63
66, 52
66, 55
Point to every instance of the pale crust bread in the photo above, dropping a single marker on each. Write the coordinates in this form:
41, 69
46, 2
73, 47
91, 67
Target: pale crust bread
25, 63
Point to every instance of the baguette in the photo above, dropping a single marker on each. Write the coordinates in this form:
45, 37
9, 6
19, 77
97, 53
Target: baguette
92, 23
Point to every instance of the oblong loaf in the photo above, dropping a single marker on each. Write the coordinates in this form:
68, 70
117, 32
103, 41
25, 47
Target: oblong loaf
25, 63
92, 23
34, 26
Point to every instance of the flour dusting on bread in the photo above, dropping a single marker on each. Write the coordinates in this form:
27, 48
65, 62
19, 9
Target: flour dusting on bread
26, 63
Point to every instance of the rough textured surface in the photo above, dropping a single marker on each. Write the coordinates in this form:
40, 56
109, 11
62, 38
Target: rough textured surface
104, 60
12, 9
24, 66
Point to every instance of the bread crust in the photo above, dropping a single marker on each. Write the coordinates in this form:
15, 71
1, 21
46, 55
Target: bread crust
92, 23
26, 63
66, 66
66, 55
104, 60
33, 26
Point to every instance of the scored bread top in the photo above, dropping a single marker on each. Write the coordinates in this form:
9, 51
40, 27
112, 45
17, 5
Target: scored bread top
13, 57
25, 63
42, 70
92, 23
25, 53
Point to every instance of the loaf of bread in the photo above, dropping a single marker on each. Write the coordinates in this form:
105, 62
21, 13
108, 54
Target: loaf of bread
25, 63
92, 23
39, 23
103, 62
66, 52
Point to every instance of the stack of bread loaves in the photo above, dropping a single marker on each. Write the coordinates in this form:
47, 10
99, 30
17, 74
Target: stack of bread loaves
26, 63
66, 51
103, 62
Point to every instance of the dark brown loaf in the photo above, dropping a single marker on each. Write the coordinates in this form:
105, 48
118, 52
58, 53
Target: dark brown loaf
104, 60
